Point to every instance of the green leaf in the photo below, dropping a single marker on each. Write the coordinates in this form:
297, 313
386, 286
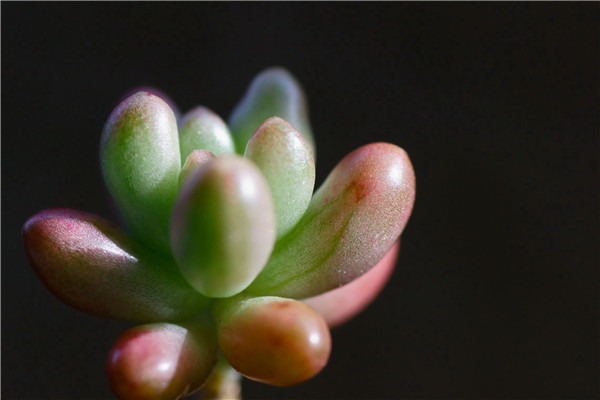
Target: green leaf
273, 93
202, 129
195, 160
352, 221
223, 226
86, 262
140, 160
285, 160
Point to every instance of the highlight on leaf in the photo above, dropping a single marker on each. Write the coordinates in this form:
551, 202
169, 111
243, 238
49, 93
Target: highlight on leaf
140, 160
275, 144
272, 93
88, 263
273, 340
227, 253
223, 226
162, 361
202, 129
351, 222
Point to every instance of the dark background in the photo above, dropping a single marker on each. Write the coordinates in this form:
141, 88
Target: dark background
495, 293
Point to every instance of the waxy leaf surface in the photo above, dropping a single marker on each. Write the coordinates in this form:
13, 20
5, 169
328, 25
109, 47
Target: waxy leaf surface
202, 129
140, 160
272, 93
352, 221
193, 162
223, 226
161, 361
273, 340
285, 159
90, 265
339, 305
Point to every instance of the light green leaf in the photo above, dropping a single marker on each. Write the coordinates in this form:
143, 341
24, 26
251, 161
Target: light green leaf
273, 93
140, 160
223, 226
285, 160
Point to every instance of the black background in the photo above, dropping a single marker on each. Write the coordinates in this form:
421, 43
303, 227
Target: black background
495, 292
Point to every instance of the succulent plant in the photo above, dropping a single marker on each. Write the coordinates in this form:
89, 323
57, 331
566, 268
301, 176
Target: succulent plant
229, 260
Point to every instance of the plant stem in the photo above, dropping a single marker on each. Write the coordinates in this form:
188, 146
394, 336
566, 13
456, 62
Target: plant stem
224, 383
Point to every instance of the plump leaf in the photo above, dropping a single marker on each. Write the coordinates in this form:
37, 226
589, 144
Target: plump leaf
157, 92
90, 265
273, 340
202, 129
195, 160
285, 160
339, 305
352, 221
161, 361
140, 160
273, 93
223, 226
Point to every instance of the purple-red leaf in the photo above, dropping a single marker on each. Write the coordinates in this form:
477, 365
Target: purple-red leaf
161, 361
85, 261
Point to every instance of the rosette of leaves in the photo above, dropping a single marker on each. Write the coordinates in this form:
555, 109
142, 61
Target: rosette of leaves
228, 259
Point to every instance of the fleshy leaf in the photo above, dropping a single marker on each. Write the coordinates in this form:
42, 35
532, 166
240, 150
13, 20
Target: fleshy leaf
272, 93
157, 92
339, 305
86, 262
223, 226
273, 340
202, 129
140, 160
195, 160
285, 160
352, 221
161, 361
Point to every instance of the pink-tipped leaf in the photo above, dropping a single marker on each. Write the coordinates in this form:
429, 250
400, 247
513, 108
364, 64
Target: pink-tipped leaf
140, 160
161, 361
86, 262
352, 221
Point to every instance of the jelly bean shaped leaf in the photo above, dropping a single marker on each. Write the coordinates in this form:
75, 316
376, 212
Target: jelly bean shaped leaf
273, 340
202, 129
339, 305
156, 91
285, 160
351, 222
89, 264
273, 93
223, 226
161, 361
193, 162
140, 159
